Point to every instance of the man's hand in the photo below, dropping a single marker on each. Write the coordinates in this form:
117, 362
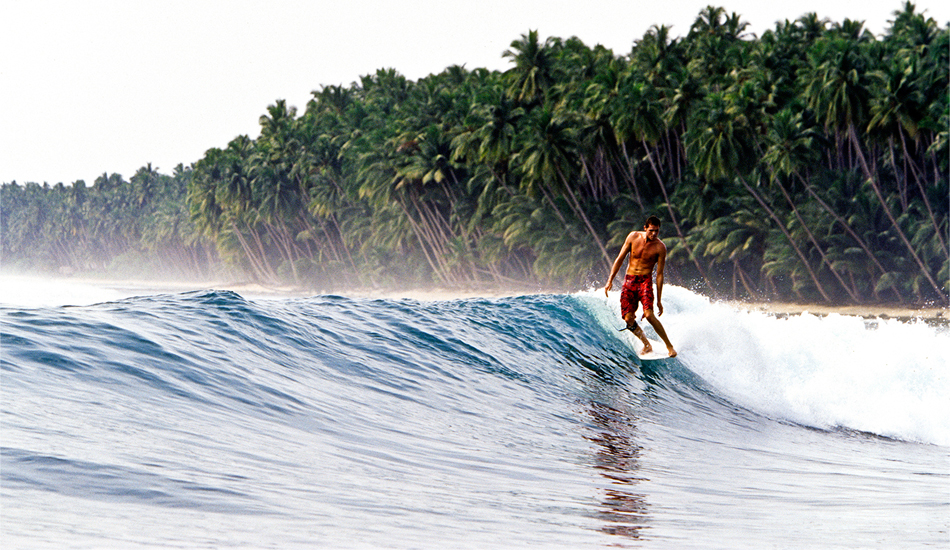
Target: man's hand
659, 307
607, 288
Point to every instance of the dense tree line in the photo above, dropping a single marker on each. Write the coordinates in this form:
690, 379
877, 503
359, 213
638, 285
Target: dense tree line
810, 162
140, 226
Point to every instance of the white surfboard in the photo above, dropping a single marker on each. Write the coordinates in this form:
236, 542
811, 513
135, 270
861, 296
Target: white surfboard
659, 351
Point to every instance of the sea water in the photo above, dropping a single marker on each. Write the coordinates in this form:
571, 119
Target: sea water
209, 419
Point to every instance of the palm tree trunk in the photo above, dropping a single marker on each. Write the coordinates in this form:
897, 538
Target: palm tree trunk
901, 177
857, 238
633, 181
788, 236
679, 229
890, 215
742, 278
576, 206
424, 243
814, 241
343, 245
263, 253
256, 265
279, 234
550, 200
591, 183
923, 195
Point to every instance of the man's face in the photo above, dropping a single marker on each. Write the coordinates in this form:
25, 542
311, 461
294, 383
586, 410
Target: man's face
652, 231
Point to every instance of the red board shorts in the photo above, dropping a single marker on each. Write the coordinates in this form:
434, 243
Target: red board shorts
636, 288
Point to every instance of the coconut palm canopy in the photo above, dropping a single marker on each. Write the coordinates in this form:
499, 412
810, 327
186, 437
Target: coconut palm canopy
810, 162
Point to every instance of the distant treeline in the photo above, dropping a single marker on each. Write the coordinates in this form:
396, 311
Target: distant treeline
141, 227
808, 163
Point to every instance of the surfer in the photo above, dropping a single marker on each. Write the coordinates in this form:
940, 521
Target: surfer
646, 251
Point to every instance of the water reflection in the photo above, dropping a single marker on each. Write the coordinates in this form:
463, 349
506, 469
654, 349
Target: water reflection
617, 458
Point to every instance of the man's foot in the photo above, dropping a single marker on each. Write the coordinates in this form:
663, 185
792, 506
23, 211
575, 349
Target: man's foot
647, 348
672, 351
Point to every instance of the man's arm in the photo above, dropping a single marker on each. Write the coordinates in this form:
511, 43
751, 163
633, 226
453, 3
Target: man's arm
617, 264
660, 265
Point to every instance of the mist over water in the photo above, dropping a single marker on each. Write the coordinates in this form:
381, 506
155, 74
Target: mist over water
32, 291
208, 419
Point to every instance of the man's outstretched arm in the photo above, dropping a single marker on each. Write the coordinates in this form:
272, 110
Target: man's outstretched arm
660, 265
617, 264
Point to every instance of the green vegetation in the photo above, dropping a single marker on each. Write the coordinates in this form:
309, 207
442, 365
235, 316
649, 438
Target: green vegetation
140, 227
808, 163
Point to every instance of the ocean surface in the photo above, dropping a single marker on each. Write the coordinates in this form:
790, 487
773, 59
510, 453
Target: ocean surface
208, 419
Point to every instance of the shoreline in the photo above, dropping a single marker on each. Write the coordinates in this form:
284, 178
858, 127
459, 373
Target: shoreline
257, 290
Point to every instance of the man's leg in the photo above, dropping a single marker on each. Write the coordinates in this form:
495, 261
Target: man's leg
658, 327
631, 319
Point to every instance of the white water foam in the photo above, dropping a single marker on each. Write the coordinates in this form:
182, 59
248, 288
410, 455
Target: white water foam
885, 377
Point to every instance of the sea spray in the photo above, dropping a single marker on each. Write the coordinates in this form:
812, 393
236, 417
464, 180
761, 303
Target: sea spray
882, 376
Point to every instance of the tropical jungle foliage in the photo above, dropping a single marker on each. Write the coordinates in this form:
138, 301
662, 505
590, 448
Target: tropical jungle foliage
115, 226
810, 162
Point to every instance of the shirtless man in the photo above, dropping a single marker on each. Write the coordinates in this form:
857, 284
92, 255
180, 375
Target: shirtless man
646, 251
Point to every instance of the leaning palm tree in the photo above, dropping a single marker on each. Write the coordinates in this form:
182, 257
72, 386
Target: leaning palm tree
898, 108
547, 161
789, 145
838, 89
720, 147
637, 115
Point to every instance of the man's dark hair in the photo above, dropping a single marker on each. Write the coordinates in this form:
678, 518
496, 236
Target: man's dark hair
652, 220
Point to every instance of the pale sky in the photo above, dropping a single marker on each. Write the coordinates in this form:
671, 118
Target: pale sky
88, 87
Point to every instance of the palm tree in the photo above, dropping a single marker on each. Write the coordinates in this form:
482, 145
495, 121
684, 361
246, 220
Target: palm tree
492, 140
720, 146
146, 185
899, 106
838, 89
636, 115
790, 145
533, 73
715, 46
547, 159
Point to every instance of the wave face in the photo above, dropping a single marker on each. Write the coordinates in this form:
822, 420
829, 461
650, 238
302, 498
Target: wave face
205, 419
